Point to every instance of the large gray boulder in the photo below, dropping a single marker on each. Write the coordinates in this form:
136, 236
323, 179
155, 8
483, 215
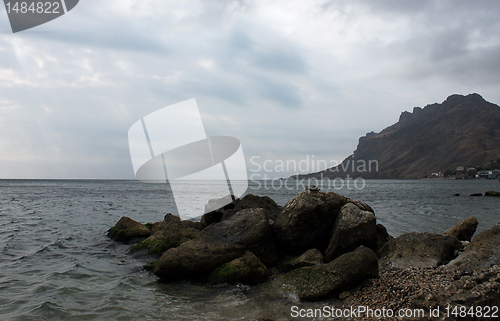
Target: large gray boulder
255, 201
247, 269
465, 229
307, 220
482, 253
247, 230
126, 229
354, 227
418, 250
320, 281
170, 232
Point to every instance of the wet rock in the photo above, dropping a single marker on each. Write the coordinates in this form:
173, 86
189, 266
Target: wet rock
492, 193
170, 232
418, 250
465, 229
307, 220
247, 230
320, 281
481, 253
476, 194
126, 229
247, 269
354, 227
308, 258
254, 201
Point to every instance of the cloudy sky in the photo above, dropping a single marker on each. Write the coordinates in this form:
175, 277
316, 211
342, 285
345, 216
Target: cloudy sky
288, 78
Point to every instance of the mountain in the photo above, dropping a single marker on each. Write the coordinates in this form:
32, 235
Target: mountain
461, 131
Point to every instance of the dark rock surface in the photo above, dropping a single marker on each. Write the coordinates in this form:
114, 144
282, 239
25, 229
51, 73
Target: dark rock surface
482, 253
247, 230
216, 208
308, 258
126, 229
492, 193
418, 249
382, 236
320, 281
307, 220
170, 232
354, 227
247, 269
464, 230
254, 201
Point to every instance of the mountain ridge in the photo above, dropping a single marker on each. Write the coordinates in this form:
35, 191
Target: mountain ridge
461, 131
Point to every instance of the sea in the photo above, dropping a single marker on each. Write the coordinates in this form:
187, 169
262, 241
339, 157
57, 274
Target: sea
56, 262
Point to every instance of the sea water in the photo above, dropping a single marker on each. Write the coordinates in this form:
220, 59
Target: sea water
56, 262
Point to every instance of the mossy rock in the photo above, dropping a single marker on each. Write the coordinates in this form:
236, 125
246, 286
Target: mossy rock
247, 269
157, 246
127, 229
492, 193
476, 194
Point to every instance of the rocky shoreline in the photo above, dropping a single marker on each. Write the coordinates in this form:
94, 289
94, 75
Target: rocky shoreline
323, 246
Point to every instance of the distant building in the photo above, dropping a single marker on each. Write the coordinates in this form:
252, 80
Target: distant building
486, 174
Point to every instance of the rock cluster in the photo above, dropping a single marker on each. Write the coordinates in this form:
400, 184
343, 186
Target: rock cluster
325, 238
320, 245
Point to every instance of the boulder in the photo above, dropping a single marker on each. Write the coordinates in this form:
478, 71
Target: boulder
307, 220
362, 206
247, 269
126, 229
465, 229
320, 281
482, 253
170, 232
254, 201
418, 250
491, 193
247, 230
216, 208
354, 227
308, 258
476, 194
382, 236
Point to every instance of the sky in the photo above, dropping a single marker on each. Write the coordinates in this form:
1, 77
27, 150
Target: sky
292, 80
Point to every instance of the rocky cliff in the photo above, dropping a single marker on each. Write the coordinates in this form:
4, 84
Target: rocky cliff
461, 131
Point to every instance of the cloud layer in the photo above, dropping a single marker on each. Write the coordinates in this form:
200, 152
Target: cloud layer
288, 78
